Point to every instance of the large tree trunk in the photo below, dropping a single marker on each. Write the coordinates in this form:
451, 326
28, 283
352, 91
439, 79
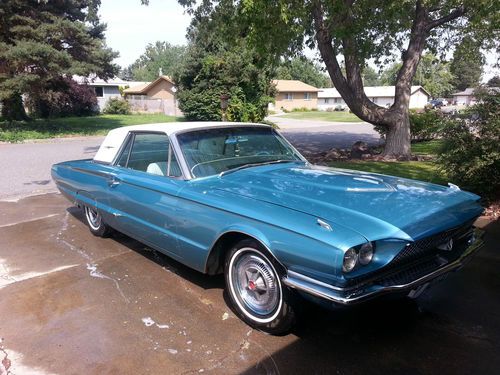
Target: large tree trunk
13, 108
398, 137
395, 119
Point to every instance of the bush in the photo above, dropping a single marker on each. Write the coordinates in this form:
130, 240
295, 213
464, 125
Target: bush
117, 106
424, 125
63, 97
471, 152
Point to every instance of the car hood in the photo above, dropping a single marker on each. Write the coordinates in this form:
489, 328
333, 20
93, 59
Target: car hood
376, 206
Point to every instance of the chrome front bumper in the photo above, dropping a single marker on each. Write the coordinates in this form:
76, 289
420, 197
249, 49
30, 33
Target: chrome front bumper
353, 295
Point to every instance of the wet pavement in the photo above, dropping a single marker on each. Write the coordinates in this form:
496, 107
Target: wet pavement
72, 303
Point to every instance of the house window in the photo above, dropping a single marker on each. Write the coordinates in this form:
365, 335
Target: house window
336, 100
288, 96
327, 101
99, 92
307, 96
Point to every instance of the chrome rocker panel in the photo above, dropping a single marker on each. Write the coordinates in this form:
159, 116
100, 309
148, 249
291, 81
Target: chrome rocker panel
350, 296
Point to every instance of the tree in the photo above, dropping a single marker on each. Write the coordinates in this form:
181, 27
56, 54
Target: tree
213, 67
432, 74
494, 82
161, 58
359, 31
370, 77
467, 64
303, 69
42, 41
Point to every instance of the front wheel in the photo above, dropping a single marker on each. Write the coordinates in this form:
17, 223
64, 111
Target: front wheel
255, 289
95, 222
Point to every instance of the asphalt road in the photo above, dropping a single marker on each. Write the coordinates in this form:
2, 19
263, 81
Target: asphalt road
72, 303
25, 167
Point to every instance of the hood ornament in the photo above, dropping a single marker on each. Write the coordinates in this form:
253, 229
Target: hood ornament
447, 246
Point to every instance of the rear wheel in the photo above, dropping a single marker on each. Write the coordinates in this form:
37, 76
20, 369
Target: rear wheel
95, 222
254, 286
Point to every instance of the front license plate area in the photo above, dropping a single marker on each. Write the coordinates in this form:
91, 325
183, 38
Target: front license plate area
414, 293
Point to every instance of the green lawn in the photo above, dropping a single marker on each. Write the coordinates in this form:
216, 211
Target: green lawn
429, 147
418, 170
75, 126
339, 116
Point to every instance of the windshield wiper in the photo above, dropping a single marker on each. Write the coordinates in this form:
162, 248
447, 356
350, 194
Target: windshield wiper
249, 165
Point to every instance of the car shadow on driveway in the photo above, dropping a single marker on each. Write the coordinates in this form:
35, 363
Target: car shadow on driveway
164, 261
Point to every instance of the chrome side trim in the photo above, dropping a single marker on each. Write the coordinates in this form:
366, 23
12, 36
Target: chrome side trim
345, 296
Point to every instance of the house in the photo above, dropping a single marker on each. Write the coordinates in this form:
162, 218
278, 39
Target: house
291, 94
465, 97
156, 96
383, 96
105, 89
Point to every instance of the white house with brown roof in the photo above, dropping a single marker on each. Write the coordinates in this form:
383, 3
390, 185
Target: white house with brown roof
330, 98
292, 94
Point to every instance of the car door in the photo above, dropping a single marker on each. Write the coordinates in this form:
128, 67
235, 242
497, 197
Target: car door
143, 191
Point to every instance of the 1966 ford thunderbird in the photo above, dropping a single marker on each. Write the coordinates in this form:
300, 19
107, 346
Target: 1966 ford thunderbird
238, 199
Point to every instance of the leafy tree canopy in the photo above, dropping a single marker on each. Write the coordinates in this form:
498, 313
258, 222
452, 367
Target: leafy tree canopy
212, 67
467, 64
494, 81
371, 77
41, 41
303, 69
159, 58
432, 74
360, 31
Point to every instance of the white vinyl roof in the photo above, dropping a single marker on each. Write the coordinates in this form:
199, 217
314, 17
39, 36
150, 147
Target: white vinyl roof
111, 144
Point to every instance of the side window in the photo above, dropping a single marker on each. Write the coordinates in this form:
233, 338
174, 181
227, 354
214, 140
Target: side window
152, 153
122, 160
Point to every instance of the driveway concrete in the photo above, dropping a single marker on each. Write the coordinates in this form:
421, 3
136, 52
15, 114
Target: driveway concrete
72, 303
25, 167
317, 136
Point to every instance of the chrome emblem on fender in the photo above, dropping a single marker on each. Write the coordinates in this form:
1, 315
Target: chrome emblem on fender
448, 246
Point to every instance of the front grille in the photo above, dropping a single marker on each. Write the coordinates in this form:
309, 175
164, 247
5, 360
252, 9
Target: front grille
418, 259
428, 245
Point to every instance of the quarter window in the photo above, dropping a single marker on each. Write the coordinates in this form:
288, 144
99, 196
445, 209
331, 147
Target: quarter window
151, 153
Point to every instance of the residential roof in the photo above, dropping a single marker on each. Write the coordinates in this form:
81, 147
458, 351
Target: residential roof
288, 85
144, 87
467, 92
111, 144
370, 91
93, 80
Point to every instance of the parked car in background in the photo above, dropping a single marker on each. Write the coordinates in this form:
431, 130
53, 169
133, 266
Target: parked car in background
438, 103
238, 199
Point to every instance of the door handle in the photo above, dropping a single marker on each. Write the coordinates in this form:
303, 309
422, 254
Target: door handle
113, 182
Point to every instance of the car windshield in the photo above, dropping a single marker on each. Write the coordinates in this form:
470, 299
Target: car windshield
213, 151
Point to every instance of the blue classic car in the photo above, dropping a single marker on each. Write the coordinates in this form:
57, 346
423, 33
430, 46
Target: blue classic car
238, 199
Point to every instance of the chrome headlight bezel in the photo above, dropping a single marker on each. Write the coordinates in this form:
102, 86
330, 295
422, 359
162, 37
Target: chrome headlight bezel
366, 253
358, 255
350, 260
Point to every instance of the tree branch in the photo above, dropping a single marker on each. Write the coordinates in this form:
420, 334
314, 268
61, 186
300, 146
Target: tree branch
459, 12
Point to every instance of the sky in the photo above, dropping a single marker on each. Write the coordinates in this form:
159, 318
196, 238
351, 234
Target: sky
131, 26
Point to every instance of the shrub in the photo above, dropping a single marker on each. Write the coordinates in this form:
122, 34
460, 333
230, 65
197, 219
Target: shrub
423, 125
63, 97
471, 152
117, 106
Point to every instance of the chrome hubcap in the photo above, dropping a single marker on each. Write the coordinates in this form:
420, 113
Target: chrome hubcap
93, 218
255, 283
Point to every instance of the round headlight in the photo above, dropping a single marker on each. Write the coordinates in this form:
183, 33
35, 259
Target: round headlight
366, 253
350, 260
